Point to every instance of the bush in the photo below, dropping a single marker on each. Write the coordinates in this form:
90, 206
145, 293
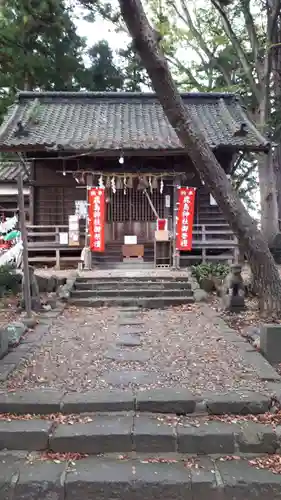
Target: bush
10, 280
209, 274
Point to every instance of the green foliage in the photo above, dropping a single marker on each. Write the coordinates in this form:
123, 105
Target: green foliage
9, 280
209, 270
41, 50
102, 73
134, 75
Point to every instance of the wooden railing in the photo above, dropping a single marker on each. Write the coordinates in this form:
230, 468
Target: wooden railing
45, 239
211, 237
44, 243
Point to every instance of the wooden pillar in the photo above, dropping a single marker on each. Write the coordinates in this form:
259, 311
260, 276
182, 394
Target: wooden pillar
31, 202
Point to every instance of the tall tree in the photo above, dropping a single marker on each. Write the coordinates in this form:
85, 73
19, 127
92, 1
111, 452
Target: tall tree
146, 42
135, 77
40, 48
233, 41
102, 73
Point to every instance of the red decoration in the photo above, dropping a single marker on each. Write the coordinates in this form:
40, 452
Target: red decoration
186, 198
96, 219
162, 224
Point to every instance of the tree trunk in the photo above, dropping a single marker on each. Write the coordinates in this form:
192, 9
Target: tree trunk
211, 173
277, 170
268, 198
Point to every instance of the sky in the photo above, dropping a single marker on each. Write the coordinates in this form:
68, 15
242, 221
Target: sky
102, 30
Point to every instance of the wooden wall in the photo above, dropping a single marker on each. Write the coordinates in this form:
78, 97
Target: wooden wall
54, 194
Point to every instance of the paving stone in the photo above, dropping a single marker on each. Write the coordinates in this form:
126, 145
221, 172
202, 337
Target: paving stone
130, 330
38, 401
9, 471
40, 481
126, 480
106, 434
132, 322
263, 369
32, 338
152, 436
203, 480
15, 357
257, 438
133, 377
128, 340
139, 356
234, 403
100, 479
165, 481
275, 388
179, 401
6, 370
24, 434
241, 482
98, 401
215, 437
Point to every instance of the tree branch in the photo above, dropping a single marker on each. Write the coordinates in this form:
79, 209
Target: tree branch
240, 52
197, 35
245, 176
190, 77
267, 279
252, 33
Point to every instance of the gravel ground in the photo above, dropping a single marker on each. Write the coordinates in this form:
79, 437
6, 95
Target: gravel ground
185, 349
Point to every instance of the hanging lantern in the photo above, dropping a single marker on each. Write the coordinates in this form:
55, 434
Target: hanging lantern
113, 186
101, 184
154, 183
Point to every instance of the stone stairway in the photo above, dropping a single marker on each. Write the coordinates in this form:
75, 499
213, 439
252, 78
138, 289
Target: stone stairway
145, 291
138, 443
159, 443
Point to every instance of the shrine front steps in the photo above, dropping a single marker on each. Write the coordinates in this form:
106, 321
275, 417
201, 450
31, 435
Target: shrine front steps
128, 433
150, 421
146, 292
116, 444
27, 476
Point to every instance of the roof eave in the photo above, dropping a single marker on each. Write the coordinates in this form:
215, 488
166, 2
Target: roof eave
130, 151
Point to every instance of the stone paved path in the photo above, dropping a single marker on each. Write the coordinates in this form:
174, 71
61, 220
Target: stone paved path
100, 348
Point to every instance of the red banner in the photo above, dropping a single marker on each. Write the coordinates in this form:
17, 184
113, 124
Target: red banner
186, 199
96, 219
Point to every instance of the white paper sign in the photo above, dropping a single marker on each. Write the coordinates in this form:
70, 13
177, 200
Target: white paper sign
167, 201
81, 208
63, 238
130, 240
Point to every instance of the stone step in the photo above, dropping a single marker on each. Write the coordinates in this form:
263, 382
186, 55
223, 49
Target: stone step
174, 400
155, 285
132, 279
132, 292
143, 477
146, 433
144, 302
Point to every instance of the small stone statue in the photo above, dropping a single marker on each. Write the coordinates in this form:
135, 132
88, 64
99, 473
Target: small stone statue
233, 290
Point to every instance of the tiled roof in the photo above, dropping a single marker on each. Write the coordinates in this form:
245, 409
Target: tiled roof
9, 171
82, 121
